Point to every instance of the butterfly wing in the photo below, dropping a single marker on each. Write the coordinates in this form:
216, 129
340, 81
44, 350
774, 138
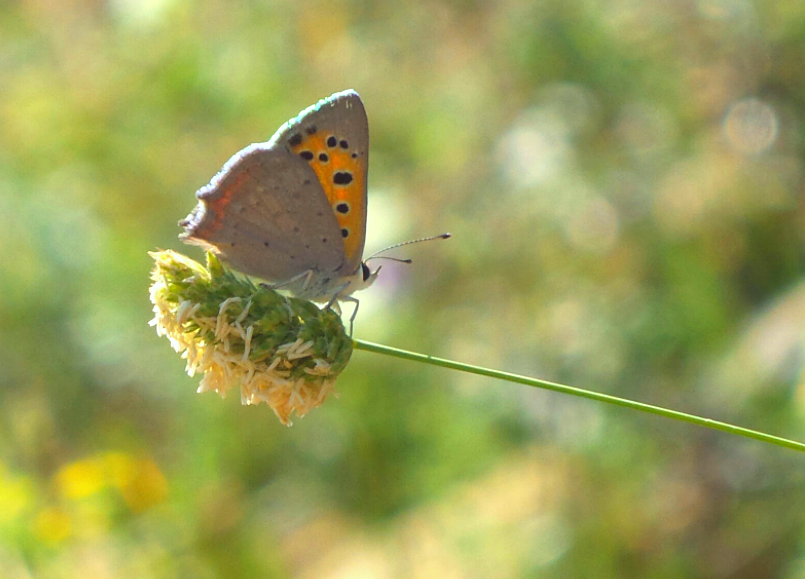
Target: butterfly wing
266, 215
332, 136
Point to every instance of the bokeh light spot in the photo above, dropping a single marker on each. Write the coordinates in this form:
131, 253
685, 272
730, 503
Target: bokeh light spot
751, 126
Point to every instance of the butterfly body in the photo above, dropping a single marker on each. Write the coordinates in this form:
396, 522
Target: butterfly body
292, 210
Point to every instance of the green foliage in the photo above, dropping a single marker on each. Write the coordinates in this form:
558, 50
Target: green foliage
623, 182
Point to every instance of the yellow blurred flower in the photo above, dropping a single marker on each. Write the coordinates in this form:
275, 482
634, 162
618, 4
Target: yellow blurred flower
16, 496
138, 480
52, 525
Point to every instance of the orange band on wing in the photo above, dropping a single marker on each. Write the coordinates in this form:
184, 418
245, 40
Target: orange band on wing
341, 172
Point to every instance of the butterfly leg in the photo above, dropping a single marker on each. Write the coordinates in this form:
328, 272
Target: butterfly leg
306, 275
336, 296
333, 303
354, 312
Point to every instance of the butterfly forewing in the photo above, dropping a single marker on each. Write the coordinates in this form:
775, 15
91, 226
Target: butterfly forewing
333, 138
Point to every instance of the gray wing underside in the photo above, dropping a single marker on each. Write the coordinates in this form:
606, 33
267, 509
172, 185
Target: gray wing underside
266, 215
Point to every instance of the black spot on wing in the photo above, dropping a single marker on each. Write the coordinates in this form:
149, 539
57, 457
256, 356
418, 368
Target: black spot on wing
342, 177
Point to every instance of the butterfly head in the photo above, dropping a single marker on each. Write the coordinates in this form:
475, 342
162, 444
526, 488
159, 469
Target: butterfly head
361, 279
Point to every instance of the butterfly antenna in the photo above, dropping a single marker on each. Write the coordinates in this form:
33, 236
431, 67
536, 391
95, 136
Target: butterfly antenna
397, 259
376, 255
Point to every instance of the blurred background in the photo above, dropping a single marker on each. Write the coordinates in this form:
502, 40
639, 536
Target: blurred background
624, 184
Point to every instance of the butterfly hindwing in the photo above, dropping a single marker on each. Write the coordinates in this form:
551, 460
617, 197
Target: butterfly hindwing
265, 214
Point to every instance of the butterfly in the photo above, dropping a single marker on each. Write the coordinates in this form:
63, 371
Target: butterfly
292, 211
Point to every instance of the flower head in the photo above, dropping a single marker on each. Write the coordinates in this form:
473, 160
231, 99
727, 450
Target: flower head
283, 351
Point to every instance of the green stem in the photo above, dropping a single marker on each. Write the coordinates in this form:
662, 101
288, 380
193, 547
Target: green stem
706, 422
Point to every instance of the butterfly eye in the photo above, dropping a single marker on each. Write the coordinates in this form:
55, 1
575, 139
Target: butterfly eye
365, 271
